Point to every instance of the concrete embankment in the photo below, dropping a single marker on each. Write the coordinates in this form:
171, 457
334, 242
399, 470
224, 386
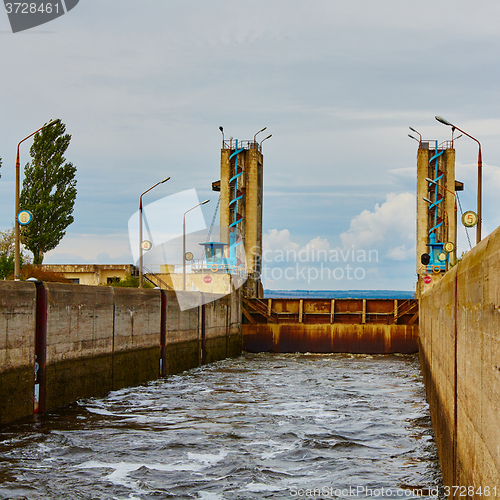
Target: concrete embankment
460, 357
84, 341
364, 326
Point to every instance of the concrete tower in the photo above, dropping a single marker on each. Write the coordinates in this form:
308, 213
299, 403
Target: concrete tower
241, 193
436, 211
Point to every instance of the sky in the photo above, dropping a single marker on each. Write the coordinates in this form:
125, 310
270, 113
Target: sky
144, 86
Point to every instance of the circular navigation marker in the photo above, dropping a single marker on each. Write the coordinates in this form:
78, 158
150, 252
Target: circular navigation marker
24, 217
427, 279
189, 256
207, 279
442, 257
146, 245
470, 219
449, 247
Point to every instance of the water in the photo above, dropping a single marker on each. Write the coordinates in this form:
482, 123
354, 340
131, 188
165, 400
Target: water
261, 426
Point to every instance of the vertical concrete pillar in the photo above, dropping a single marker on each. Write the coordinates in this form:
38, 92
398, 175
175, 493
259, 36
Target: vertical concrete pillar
269, 306
363, 315
332, 311
301, 310
395, 311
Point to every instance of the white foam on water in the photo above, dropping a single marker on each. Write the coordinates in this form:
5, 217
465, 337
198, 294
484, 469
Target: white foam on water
258, 487
209, 495
208, 458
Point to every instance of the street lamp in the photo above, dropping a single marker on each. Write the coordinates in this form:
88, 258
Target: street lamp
254, 137
419, 134
222, 132
414, 138
184, 243
140, 229
479, 175
17, 246
265, 138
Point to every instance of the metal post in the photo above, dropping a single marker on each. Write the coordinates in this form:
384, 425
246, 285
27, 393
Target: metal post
17, 245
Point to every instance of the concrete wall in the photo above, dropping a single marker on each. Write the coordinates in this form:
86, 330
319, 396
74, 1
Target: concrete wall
90, 340
460, 357
17, 344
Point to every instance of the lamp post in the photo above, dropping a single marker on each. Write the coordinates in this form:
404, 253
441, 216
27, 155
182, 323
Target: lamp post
140, 229
416, 132
222, 132
255, 135
479, 175
17, 246
265, 138
184, 243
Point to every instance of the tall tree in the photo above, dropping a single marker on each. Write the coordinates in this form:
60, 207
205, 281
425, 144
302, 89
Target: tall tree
49, 191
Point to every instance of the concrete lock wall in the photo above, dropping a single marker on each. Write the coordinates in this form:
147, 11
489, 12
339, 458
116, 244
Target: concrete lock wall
89, 340
460, 358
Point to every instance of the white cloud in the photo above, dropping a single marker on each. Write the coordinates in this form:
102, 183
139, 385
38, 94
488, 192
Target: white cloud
390, 228
279, 240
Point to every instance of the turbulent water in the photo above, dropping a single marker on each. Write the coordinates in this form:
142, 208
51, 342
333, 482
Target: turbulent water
261, 426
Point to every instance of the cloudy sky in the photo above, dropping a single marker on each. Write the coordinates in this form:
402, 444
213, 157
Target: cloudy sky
143, 86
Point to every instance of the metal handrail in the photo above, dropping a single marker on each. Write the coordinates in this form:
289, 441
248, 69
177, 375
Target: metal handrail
231, 144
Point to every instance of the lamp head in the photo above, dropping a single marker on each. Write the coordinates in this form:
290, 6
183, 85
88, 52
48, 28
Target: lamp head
430, 180
427, 200
443, 121
411, 137
52, 122
221, 129
165, 180
203, 202
413, 130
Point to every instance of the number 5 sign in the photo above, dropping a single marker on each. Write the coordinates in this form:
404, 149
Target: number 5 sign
470, 219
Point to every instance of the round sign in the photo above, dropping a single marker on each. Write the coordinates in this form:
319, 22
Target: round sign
449, 247
442, 257
207, 279
427, 279
189, 256
24, 217
470, 219
146, 245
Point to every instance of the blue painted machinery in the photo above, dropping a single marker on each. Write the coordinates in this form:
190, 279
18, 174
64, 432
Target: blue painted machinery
438, 259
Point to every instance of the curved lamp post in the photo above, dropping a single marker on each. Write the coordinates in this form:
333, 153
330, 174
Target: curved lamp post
17, 246
479, 175
184, 243
140, 228
265, 138
255, 135
416, 132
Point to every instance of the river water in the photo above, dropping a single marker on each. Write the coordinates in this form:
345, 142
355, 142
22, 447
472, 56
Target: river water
275, 426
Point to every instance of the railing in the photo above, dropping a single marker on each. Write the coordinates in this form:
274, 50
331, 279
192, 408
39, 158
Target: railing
197, 267
150, 276
231, 144
430, 144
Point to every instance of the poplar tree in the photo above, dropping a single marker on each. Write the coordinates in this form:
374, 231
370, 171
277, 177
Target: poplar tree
49, 191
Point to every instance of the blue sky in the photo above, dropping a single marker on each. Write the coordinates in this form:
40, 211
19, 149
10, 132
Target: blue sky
143, 87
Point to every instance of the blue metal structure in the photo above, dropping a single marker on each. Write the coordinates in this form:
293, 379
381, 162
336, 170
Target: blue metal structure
436, 246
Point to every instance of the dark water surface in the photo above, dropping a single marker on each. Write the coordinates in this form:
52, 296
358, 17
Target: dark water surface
260, 426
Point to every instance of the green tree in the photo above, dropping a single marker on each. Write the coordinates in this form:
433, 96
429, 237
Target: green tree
49, 191
7, 254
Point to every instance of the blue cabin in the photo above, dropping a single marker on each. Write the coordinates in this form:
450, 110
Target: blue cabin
214, 253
